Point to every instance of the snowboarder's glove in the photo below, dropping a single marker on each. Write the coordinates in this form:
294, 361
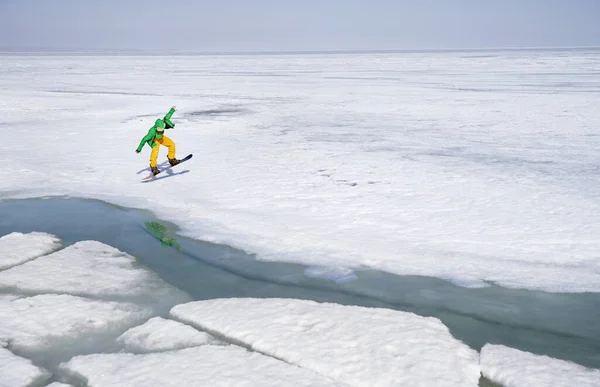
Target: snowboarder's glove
137, 151
174, 107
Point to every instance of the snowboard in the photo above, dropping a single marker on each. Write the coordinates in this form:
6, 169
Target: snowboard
151, 176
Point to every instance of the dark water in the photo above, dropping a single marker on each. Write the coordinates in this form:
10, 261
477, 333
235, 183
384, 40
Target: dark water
564, 326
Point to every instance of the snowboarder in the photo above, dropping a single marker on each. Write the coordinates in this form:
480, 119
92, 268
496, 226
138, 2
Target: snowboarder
155, 138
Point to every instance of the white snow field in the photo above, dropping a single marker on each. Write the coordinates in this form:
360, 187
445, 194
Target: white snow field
472, 167
513, 368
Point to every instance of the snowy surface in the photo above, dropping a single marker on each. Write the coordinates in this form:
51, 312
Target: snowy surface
354, 345
83, 290
471, 167
49, 321
513, 368
159, 334
79, 311
200, 366
16, 371
73, 301
86, 268
16, 247
81, 336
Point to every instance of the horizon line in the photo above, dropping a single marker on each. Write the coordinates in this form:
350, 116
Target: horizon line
58, 51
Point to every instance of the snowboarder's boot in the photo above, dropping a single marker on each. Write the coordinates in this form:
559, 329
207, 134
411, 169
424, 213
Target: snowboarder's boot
173, 161
155, 171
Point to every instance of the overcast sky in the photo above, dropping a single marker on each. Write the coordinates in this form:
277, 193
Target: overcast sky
259, 25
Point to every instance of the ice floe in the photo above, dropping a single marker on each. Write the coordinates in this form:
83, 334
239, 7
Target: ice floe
49, 321
353, 345
199, 366
514, 368
16, 247
87, 307
159, 334
89, 269
16, 371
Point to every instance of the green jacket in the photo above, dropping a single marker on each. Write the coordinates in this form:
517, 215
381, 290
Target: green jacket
151, 136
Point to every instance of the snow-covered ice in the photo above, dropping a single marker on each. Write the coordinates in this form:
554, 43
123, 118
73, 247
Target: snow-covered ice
94, 270
354, 345
159, 334
513, 368
226, 342
16, 247
200, 366
466, 167
16, 371
297, 342
470, 168
70, 303
75, 300
49, 321
84, 289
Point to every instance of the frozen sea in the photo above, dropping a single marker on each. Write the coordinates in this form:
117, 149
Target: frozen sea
478, 168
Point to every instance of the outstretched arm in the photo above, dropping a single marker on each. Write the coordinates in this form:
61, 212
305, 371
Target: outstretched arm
168, 123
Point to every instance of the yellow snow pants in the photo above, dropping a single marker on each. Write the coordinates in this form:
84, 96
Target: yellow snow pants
164, 141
